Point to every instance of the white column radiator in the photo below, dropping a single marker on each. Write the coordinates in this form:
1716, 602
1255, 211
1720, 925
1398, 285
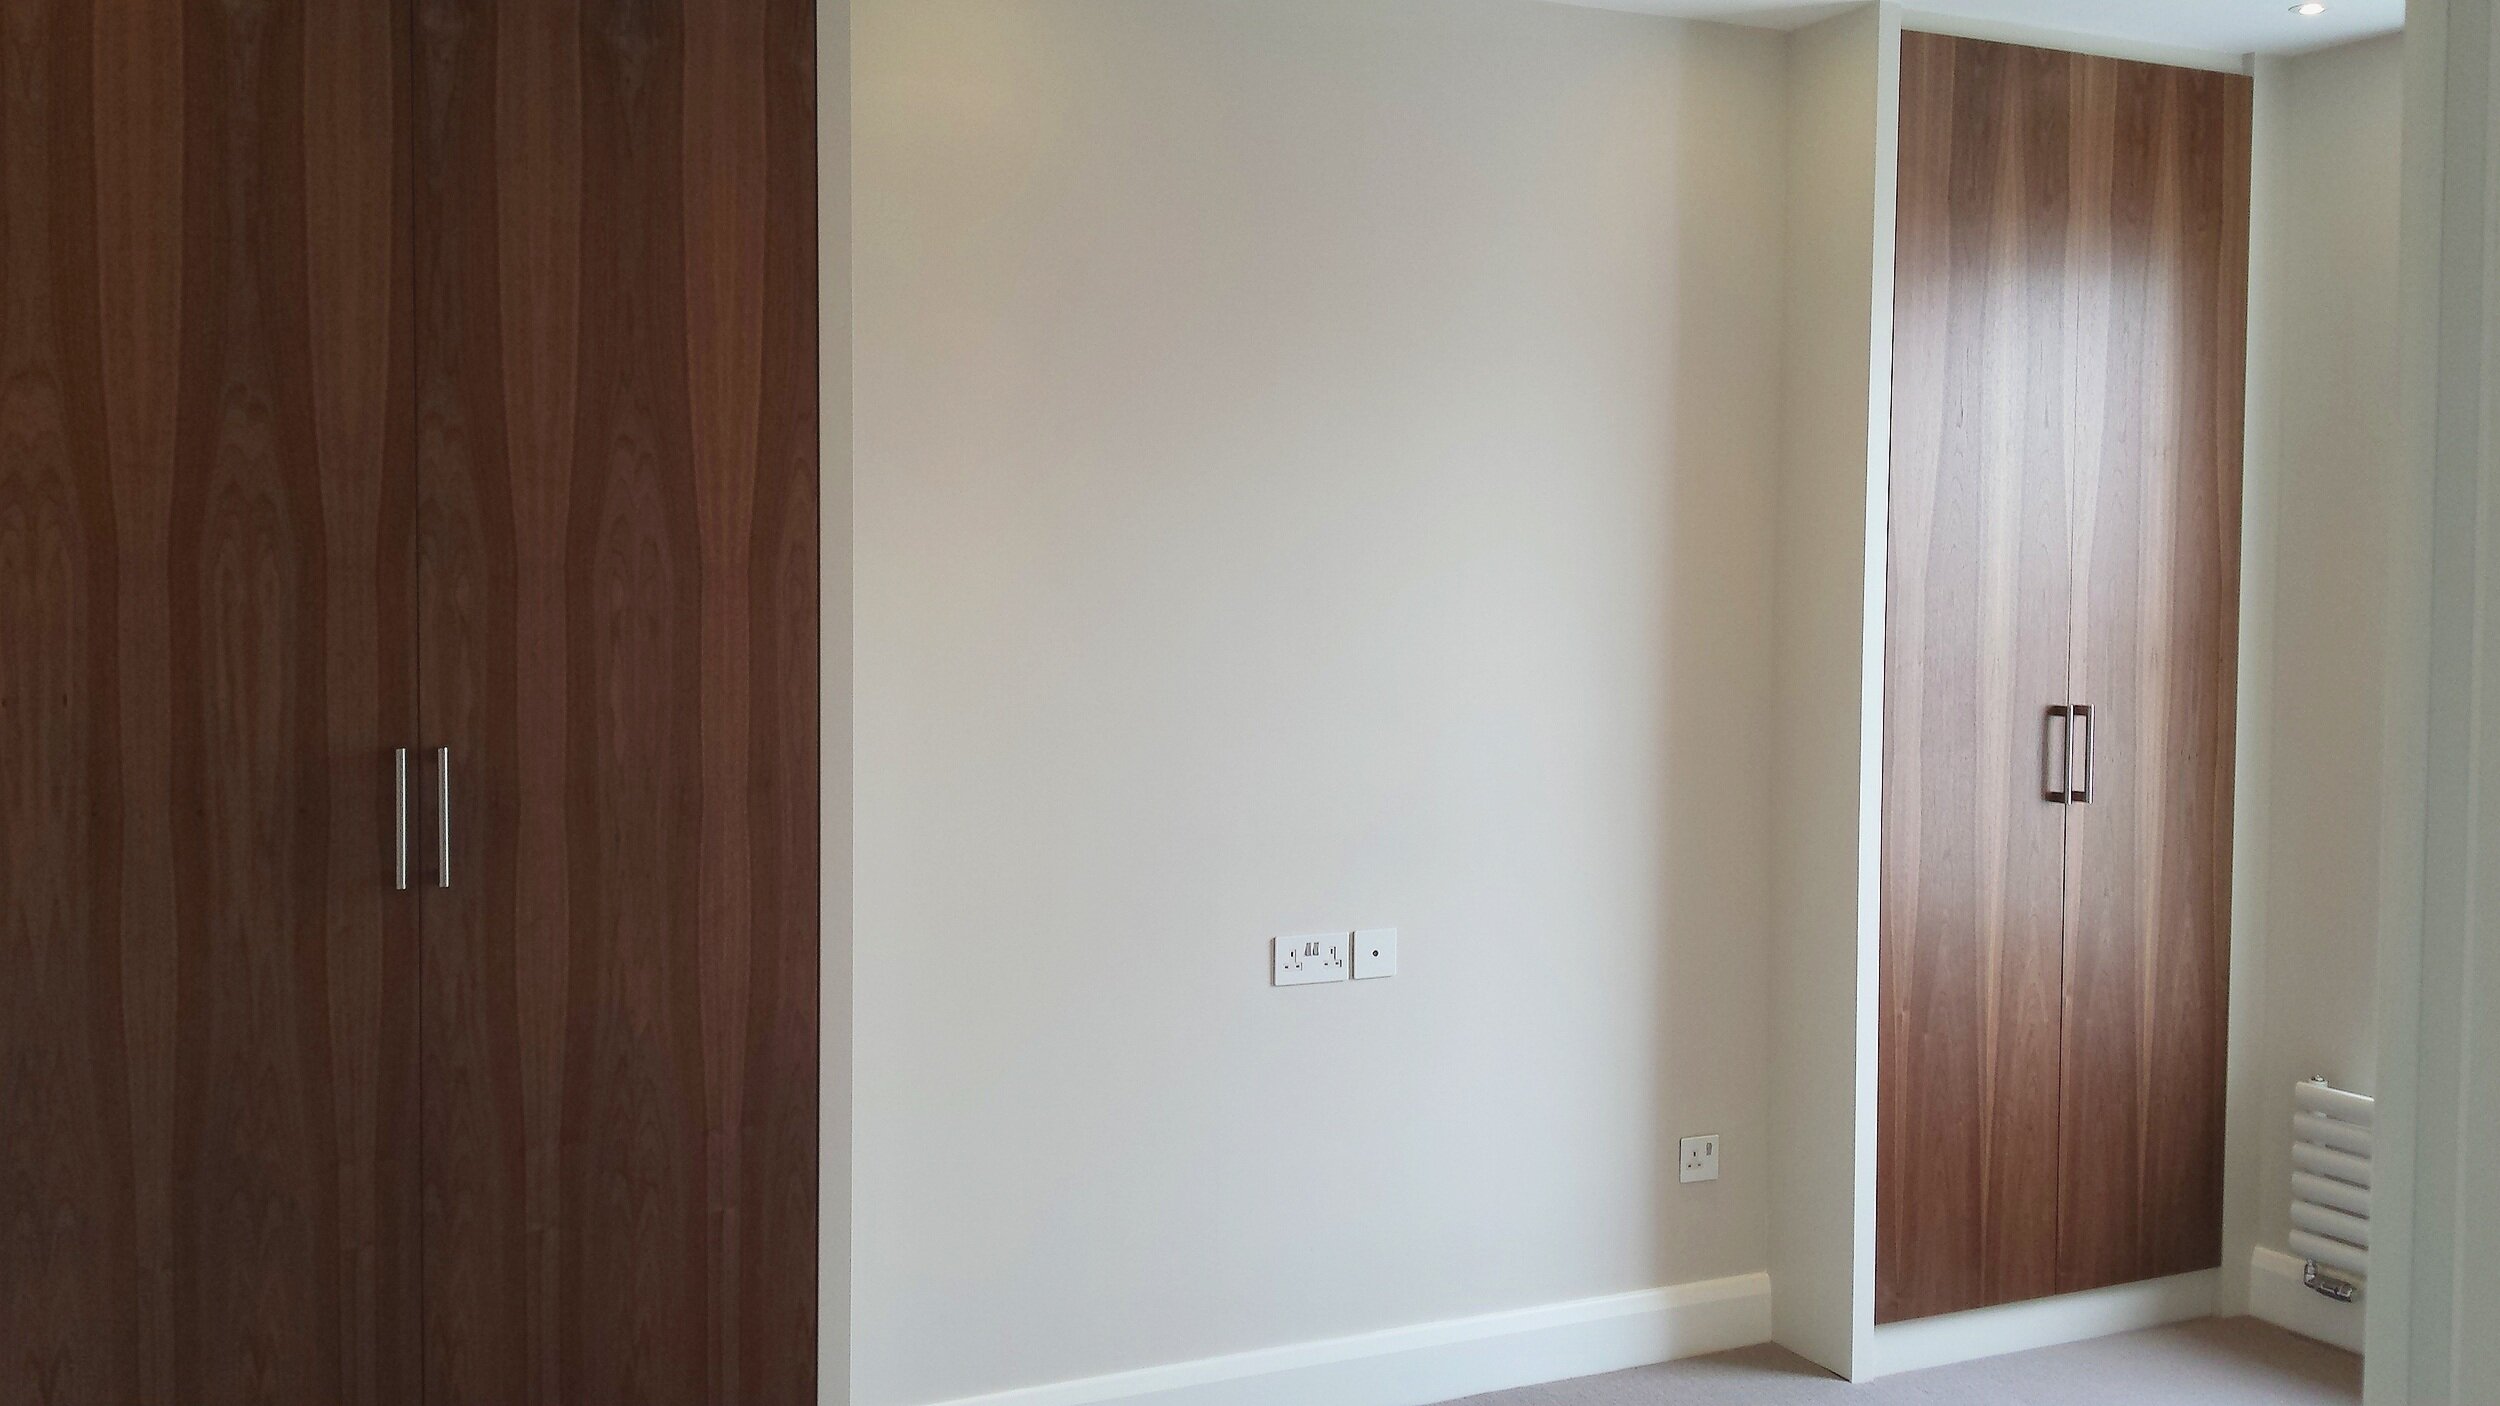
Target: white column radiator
2331, 1186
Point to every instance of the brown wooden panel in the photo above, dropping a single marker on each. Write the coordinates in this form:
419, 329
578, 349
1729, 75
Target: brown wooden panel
1975, 654
2165, 226
207, 1135
2070, 318
618, 564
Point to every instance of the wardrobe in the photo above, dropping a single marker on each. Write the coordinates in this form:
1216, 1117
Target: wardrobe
408, 695
2059, 673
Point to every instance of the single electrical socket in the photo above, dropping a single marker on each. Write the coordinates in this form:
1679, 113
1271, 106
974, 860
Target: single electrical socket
1701, 1158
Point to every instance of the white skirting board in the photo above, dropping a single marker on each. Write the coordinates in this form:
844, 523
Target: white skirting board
2018, 1327
2276, 1295
1431, 1362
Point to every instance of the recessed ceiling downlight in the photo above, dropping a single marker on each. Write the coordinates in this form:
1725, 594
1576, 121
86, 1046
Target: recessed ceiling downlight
2310, 7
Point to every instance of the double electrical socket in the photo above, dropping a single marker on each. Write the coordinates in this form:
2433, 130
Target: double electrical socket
1335, 956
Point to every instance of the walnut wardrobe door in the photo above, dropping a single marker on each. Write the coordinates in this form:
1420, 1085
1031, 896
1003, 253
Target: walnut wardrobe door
2162, 219
1975, 656
208, 1187
618, 582
2069, 331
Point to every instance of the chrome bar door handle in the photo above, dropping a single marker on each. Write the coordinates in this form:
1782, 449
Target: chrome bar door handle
2083, 715
2057, 777
442, 811
399, 844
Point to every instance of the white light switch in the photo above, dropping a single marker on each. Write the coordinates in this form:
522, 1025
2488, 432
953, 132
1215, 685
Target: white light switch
1303, 961
1375, 953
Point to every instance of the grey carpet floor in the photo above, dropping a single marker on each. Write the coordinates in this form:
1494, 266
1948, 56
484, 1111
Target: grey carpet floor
2215, 1362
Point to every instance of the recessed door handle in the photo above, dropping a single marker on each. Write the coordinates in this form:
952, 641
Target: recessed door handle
399, 843
2057, 772
442, 811
2083, 715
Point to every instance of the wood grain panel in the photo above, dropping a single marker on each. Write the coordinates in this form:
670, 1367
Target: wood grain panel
69, 1274
1975, 653
207, 1140
2069, 330
618, 565
2156, 600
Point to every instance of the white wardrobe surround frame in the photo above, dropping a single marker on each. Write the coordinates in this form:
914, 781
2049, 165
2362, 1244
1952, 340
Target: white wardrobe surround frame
1842, 105
2020, 1327
1825, 949
2437, 1252
2049, 37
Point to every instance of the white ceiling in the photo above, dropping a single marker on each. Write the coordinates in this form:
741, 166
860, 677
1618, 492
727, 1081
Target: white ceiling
2207, 26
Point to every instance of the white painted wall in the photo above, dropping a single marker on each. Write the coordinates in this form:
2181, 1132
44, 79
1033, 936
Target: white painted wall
1843, 100
2435, 1252
1315, 468
2324, 453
